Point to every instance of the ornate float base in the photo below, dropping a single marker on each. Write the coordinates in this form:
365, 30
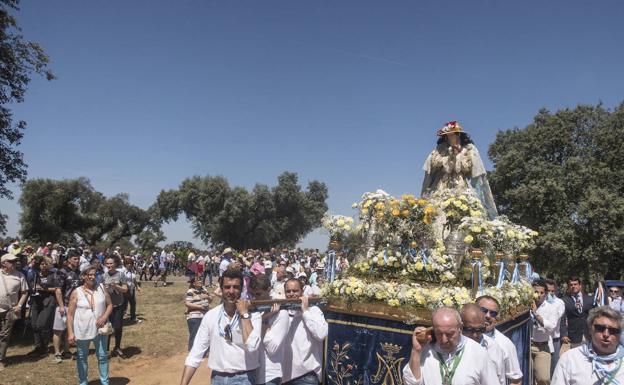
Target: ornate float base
369, 344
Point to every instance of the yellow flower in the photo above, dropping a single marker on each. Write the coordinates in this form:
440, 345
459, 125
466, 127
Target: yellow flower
447, 301
468, 239
419, 266
405, 213
358, 291
354, 206
368, 203
394, 302
421, 202
379, 214
457, 203
396, 212
429, 210
413, 244
364, 211
426, 219
475, 229
337, 291
348, 290
340, 222
379, 206
397, 264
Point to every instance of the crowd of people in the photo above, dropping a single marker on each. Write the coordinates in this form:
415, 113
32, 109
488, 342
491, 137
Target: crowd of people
64, 295
77, 297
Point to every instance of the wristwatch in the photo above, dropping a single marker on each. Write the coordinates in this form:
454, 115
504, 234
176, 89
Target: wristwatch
245, 316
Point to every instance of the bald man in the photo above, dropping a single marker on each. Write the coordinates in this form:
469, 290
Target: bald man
452, 359
473, 320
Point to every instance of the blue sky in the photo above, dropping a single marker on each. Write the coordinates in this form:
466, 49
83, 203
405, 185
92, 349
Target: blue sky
346, 92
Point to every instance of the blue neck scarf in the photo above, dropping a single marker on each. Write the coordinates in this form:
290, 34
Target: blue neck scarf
599, 363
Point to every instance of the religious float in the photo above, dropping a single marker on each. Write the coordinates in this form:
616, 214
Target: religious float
412, 255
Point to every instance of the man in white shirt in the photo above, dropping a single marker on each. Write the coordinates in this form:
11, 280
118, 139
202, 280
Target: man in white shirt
598, 361
13, 295
274, 330
615, 299
490, 307
303, 356
552, 298
473, 320
545, 317
452, 359
230, 334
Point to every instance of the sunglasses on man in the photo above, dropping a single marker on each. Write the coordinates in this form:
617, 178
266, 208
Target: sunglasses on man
493, 313
474, 330
602, 328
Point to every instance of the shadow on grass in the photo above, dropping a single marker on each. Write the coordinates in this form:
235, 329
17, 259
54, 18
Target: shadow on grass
131, 351
112, 381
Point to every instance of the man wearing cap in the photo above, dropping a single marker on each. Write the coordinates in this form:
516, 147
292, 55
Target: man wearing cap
13, 295
226, 259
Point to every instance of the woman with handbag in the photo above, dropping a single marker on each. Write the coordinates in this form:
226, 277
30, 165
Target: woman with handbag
87, 320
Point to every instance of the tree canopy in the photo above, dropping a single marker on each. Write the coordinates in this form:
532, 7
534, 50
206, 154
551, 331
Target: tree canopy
71, 211
562, 176
19, 59
261, 218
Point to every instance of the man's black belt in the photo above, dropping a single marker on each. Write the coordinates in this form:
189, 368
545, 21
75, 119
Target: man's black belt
224, 374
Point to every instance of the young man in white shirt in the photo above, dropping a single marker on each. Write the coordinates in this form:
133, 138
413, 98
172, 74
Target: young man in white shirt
599, 360
274, 331
451, 359
552, 298
303, 357
545, 317
491, 308
230, 334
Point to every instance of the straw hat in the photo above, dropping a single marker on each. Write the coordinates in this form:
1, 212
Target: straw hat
450, 128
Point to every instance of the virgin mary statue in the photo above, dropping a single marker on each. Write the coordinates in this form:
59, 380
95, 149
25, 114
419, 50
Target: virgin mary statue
455, 163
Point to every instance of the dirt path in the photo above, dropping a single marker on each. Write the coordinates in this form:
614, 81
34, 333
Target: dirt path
156, 371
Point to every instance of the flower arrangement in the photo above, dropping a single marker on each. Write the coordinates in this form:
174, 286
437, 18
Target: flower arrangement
415, 295
338, 226
455, 205
499, 234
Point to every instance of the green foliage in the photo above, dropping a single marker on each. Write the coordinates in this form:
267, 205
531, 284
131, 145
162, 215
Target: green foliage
72, 211
18, 60
261, 218
562, 175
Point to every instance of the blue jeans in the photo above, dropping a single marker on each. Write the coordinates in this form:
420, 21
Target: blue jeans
193, 325
82, 349
247, 378
308, 379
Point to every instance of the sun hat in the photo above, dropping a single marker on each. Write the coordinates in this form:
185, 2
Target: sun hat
9, 257
227, 250
450, 128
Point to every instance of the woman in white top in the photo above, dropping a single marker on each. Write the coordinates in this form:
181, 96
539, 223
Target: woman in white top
89, 309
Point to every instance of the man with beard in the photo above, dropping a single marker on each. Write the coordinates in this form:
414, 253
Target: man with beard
303, 357
451, 359
231, 335
598, 361
491, 308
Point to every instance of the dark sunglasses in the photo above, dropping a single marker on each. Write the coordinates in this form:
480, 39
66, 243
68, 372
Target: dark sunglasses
492, 312
603, 328
228, 333
474, 330
614, 291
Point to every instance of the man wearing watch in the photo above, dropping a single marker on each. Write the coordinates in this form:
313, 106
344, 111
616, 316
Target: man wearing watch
231, 335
